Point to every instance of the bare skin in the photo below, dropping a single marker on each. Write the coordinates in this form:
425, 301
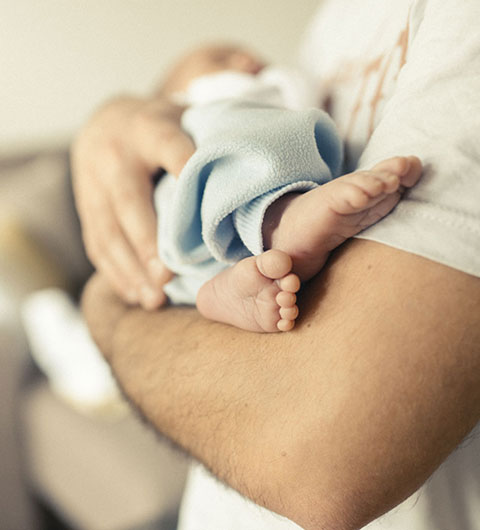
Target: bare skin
334, 423
257, 294
358, 406
115, 154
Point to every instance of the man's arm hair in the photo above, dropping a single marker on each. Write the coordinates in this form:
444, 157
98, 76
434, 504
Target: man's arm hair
333, 423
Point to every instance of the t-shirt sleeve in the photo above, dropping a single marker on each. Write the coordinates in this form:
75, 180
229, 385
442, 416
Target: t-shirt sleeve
435, 114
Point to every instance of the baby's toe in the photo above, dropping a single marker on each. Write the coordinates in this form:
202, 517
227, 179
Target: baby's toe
413, 173
290, 283
356, 198
376, 183
285, 299
274, 264
398, 165
289, 313
285, 325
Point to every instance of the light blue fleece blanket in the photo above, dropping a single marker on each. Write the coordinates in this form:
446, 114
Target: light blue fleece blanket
247, 156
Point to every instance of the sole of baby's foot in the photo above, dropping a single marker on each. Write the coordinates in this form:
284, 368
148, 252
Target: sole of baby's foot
309, 226
256, 294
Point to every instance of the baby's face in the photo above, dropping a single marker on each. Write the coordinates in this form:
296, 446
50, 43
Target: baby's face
211, 59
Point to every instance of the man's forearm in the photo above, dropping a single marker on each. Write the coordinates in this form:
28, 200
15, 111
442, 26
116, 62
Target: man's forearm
334, 423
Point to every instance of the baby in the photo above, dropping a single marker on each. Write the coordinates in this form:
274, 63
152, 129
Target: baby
283, 232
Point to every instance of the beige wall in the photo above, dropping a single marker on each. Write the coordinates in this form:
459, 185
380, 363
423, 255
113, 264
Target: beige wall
60, 58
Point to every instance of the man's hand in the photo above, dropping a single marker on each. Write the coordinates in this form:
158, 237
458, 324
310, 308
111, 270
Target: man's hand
113, 160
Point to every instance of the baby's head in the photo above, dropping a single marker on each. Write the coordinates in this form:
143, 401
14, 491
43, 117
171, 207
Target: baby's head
208, 60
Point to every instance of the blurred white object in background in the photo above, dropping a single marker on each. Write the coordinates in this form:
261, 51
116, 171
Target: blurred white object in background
6, 308
63, 349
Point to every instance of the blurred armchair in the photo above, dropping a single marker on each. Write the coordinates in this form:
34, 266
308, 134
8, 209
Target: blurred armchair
92, 473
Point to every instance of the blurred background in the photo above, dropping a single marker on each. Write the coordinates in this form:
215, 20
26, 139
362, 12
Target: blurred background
72, 454
60, 58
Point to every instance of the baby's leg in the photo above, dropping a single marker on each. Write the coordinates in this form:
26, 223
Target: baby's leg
309, 226
256, 294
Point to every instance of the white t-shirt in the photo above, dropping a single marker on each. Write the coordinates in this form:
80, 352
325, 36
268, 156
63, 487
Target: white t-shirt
401, 77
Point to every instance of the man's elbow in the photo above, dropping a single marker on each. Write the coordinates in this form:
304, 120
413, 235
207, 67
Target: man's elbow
319, 491
316, 509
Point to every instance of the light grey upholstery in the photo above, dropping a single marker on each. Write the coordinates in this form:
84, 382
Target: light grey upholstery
96, 474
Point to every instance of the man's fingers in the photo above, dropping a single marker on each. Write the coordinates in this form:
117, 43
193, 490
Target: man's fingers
117, 281
113, 159
176, 151
161, 143
121, 256
136, 216
132, 205
100, 256
111, 253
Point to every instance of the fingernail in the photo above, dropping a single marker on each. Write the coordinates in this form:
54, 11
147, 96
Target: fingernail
148, 297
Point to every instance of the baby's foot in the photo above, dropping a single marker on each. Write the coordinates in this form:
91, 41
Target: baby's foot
256, 294
309, 226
